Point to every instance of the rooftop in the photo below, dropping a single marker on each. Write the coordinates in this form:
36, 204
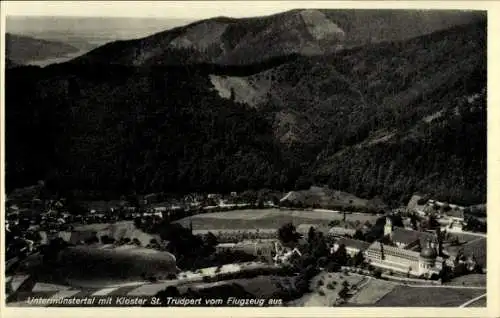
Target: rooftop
405, 236
357, 244
341, 230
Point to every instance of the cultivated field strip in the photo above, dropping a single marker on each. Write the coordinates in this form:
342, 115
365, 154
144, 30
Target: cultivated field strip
59, 291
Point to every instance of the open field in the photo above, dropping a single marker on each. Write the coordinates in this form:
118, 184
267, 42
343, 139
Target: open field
465, 237
266, 219
404, 296
372, 292
259, 287
91, 267
476, 280
482, 302
325, 288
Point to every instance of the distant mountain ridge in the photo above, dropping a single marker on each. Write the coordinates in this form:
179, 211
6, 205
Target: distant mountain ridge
24, 49
143, 116
232, 41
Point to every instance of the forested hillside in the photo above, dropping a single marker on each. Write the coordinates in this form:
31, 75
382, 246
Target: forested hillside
383, 119
445, 158
128, 130
310, 32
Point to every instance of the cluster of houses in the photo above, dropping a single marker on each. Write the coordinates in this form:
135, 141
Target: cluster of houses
27, 213
421, 252
405, 249
450, 216
158, 205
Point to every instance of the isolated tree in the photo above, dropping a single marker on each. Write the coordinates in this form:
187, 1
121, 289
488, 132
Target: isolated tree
414, 221
311, 235
105, 239
340, 256
344, 293
288, 233
210, 243
358, 235
397, 220
319, 247
138, 222
136, 242
358, 259
446, 273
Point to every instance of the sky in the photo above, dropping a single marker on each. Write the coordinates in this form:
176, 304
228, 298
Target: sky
198, 9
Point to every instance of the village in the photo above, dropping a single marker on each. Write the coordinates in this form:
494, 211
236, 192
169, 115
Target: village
425, 242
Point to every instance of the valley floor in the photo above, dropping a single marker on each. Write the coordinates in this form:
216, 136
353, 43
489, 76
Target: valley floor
267, 219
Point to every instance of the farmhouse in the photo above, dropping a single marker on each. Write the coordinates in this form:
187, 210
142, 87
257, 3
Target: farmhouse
454, 215
256, 248
444, 204
284, 254
341, 231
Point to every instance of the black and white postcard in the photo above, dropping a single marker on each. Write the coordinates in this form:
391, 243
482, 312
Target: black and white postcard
245, 156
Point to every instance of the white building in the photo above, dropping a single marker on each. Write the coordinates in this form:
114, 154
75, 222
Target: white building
425, 262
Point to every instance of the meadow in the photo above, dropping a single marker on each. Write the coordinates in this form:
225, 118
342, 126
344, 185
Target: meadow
406, 296
267, 219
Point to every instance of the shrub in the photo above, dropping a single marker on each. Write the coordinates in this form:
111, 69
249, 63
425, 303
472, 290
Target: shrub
171, 276
152, 279
422, 201
206, 279
320, 283
322, 293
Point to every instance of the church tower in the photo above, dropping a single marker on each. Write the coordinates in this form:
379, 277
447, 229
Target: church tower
388, 227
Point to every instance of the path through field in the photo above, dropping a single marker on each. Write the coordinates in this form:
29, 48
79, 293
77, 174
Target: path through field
467, 303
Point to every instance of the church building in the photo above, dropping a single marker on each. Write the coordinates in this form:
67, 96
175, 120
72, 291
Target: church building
404, 253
